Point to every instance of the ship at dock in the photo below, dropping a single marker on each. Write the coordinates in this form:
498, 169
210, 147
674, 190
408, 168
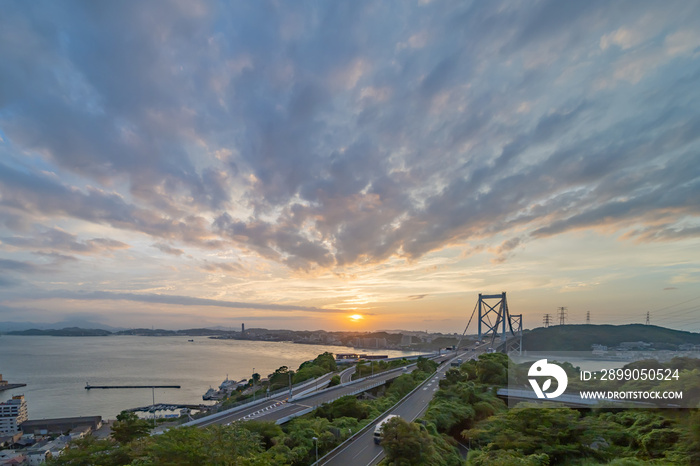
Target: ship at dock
225, 389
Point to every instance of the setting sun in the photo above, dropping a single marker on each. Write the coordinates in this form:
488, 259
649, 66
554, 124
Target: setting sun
356, 317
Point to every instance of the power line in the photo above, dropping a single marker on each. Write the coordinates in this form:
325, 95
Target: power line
677, 304
679, 312
674, 319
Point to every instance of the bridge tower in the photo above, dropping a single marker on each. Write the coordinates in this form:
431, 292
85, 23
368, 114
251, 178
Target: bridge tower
493, 312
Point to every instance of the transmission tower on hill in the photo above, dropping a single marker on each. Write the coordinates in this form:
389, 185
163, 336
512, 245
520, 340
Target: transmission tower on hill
546, 320
648, 319
588, 317
562, 315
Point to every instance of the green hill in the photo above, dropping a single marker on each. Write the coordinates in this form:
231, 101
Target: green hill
581, 337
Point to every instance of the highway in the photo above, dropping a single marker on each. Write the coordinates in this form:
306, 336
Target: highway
326, 396
361, 450
346, 375
263, 405
280, 409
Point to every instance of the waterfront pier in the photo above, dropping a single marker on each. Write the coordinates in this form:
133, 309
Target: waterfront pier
90, 387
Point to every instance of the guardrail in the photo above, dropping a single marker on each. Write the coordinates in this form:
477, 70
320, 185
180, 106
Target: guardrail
357, 381
329, 456
292, 416
316, 405
247, 404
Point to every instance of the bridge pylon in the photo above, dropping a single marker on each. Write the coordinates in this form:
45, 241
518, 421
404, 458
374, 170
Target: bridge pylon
493, 313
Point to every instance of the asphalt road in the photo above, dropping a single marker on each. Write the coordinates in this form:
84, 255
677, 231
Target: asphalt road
265, 405
327, 395
346, 375
279, 407
362, 450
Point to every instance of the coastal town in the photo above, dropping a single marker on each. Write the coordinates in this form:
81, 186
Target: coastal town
33, 441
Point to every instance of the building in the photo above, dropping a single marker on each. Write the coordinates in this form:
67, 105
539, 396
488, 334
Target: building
59, 425
370, 343
3, 383
11, 457
12, 413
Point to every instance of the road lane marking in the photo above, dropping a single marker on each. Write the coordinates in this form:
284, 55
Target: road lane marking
359, 452
375, 458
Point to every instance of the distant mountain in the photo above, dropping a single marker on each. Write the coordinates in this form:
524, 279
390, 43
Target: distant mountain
65, 332
68, 323
581, 337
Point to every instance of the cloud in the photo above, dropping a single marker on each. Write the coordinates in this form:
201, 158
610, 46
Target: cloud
417, 296
56, 239
7, 282
338, 137
11, 265
230, 267
168, 249
43, 195
175, 300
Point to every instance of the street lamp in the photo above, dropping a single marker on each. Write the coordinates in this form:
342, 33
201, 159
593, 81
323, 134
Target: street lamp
253, 384
316, 443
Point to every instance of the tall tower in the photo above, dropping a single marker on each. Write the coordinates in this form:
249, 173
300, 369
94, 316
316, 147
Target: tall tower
588, 317
242, 329
492, 316
546, 320
562, 315
648, 319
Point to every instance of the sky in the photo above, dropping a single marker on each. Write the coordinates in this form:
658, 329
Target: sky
289, 164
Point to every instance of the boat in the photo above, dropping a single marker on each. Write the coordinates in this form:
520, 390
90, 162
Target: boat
190, 341
228, 384
210, 394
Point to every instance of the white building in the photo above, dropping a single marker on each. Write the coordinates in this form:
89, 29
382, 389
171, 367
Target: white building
12, 413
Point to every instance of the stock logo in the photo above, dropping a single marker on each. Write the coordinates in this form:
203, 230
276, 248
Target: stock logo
542, 368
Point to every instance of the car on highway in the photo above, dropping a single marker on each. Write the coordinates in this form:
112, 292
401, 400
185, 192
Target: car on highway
378, 431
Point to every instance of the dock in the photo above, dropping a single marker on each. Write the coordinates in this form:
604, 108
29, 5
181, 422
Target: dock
10, 386
166, 407
89, 387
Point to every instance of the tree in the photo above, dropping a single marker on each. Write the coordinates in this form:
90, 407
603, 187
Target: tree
129, 427
405, 443
220, 445
335, 380
268, 431
82, 452
347, 406
280, 378
505, 458
426, 365
492, 368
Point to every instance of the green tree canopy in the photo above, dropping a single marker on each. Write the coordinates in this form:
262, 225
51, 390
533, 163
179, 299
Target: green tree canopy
128, 427
405, 443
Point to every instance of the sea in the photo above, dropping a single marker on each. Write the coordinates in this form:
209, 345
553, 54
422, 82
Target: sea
56, 369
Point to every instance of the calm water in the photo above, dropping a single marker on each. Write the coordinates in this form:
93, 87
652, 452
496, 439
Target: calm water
56, 369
